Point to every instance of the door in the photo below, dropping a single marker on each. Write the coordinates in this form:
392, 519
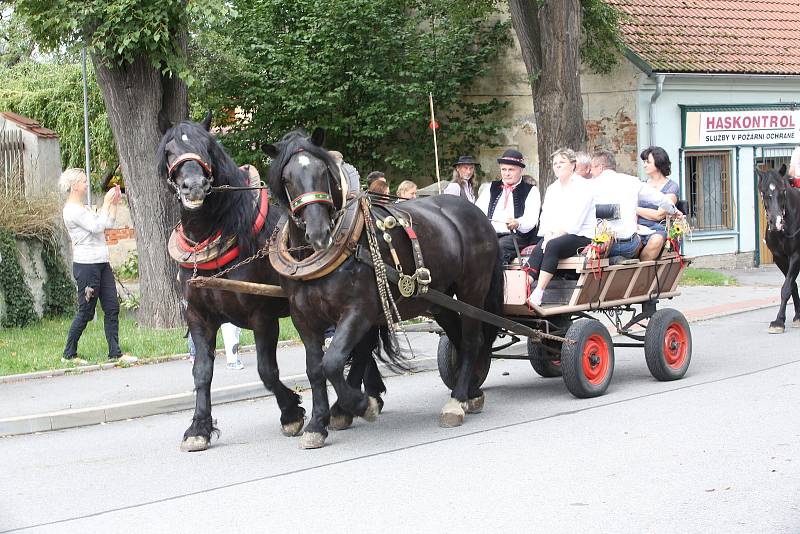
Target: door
771, 158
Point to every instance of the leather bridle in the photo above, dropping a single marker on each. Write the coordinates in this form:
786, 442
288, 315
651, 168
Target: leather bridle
310, 197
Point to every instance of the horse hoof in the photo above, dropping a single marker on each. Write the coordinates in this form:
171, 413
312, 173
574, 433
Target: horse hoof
476, 405
291, 430
452, 414
194, 444
776, 329
372, 411
312, 440
341, 422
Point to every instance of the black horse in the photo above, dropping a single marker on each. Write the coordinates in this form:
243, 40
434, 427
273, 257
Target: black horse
782, 235
459, 248
192, 161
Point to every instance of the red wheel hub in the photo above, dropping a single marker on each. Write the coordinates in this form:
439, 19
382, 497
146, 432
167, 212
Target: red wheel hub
595, 359
676, 345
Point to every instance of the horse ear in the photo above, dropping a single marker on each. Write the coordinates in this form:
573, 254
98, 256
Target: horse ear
270, 150
782, 170
164, 123
207, 121
318, 137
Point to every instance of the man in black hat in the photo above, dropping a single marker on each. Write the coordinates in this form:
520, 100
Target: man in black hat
512, 206
463, 173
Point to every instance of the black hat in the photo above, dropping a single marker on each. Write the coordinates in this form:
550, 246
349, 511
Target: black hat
465, 160
512, 157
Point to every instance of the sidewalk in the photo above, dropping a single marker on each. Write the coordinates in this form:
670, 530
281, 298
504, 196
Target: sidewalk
78, 399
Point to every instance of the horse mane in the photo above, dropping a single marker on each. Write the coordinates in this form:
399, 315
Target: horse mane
231, 212
289, 145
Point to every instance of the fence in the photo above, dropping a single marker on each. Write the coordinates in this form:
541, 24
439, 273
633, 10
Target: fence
12, 172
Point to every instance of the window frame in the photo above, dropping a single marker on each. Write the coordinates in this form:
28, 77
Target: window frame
728, 208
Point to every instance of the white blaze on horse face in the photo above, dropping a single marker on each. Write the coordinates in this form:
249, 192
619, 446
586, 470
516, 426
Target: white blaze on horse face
304, 161
772, 187
184, 138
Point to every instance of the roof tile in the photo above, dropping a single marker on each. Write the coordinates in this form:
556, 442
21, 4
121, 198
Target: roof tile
713, 36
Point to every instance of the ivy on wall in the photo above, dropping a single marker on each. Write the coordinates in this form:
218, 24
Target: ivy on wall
18, 297
59, 289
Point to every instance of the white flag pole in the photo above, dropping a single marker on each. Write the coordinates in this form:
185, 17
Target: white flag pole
435, 146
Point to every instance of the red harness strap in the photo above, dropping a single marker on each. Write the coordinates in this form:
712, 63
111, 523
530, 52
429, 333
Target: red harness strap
216, 263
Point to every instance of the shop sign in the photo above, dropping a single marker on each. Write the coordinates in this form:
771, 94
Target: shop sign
751, 127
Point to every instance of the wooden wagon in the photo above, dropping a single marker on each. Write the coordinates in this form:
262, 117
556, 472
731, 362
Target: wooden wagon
569, 341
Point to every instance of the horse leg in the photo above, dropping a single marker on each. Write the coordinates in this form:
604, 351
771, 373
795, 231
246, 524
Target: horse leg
349, 332
471, 342
373, 381
198, 435
316, 430
451, 324
787, 267
292, 414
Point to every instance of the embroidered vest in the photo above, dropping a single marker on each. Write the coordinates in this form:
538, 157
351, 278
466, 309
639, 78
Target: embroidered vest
518, 196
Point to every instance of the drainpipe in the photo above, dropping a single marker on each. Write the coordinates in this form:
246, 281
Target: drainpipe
656, 95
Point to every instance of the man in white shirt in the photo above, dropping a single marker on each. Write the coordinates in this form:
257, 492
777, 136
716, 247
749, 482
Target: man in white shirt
612, 187
512, 206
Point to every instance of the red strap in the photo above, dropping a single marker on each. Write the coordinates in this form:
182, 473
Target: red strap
216, 263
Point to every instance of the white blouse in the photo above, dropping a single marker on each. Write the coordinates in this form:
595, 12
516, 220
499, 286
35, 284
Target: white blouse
87, 233
568, 208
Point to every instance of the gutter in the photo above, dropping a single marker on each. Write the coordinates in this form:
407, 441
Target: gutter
659, 78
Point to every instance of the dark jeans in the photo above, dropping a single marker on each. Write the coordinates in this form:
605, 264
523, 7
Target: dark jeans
507, 250
558, 248
99, 277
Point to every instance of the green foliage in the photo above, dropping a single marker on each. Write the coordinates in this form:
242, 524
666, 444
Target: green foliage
601, 43
131, 301
52, 95
120, 31
360, 68
18, 298
59, 290
14, 47
706, 277
129, 269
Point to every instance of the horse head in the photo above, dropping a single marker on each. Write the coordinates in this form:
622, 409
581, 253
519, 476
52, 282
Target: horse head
773, 186
192, 161
303, 178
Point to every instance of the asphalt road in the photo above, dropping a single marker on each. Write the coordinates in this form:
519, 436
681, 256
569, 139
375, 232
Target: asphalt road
718, 451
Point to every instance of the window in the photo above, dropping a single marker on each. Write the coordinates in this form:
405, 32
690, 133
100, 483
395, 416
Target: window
708, 177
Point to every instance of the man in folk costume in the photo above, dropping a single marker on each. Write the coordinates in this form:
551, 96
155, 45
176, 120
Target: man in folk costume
512, 206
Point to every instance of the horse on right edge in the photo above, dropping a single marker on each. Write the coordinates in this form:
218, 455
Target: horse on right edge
782, 208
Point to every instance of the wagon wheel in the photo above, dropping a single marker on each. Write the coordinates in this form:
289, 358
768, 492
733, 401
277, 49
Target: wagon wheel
448, 361
540, 358
668, 345
588, 363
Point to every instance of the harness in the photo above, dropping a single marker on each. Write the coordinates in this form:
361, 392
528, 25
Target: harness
408, 285
212, 253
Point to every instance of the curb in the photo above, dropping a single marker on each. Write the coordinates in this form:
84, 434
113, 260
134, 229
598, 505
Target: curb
27, 424
61, 420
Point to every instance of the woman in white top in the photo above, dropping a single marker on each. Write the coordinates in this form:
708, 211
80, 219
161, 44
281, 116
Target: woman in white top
567, 223
90, 263
463, 173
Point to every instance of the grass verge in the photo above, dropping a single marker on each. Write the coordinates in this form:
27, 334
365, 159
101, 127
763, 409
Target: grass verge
39, 347
706, 277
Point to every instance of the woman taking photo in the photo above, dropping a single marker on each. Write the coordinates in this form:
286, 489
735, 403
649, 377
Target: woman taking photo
567, 223
90, 267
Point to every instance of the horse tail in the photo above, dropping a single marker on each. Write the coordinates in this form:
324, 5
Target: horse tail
387, 351
493, 304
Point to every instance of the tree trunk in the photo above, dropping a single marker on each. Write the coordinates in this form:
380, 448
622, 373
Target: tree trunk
549, 34
134, 93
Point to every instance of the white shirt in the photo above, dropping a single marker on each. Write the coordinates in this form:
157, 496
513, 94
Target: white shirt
612, 187
505, 209
87, 233
454, 189
795, 163
569, 208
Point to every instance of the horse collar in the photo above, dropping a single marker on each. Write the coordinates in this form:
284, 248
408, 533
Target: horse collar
214, 253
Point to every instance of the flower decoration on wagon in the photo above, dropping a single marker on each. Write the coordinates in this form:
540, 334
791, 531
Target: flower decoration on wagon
598, 248
677, 228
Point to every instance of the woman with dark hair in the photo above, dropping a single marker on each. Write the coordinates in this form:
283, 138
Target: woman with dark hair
463, 174
658, 167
